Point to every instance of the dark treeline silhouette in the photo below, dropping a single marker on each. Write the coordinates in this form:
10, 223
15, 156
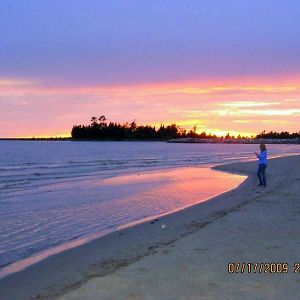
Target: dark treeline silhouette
103, 130
278, 135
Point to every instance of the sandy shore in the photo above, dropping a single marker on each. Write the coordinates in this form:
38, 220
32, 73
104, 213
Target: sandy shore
185, 255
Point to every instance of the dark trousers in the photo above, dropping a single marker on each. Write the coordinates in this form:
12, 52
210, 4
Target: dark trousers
261, 174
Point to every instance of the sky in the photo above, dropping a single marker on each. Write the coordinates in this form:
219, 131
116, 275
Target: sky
224, 66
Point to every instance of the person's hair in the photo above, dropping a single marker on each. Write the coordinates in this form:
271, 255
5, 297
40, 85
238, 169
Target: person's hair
262, 147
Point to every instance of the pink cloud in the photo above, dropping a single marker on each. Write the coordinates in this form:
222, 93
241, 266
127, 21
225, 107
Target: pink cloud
29, 108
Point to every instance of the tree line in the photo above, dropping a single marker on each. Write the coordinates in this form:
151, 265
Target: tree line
278, 135
101, 129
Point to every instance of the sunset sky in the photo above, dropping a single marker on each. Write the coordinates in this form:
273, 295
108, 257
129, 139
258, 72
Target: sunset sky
225, 66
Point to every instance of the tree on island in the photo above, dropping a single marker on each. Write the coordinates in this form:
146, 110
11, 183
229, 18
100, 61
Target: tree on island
100, 129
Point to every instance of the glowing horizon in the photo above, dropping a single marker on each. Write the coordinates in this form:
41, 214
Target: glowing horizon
213, 107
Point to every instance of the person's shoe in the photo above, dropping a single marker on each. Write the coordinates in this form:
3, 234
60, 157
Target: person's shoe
259, 184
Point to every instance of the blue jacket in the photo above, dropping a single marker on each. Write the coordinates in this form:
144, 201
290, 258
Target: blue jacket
263, 156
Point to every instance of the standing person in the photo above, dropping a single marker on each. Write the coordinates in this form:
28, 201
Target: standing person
263, 157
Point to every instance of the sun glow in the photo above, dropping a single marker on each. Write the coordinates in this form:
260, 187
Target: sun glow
223, 133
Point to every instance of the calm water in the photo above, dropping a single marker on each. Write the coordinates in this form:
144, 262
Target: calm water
54, 192
24, 164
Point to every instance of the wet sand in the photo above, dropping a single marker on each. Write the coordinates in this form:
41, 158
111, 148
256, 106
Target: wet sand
185, 255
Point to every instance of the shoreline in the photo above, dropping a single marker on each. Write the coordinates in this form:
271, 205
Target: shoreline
71, 269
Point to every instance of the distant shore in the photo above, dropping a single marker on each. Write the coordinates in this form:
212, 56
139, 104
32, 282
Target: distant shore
179, 140
236, 226
38, 139
235, 141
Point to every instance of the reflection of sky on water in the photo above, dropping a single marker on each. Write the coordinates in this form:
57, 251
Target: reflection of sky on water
50, 217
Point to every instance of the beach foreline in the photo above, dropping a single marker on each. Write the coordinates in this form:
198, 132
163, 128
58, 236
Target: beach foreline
69, 270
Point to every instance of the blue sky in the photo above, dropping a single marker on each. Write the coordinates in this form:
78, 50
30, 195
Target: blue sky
113, 42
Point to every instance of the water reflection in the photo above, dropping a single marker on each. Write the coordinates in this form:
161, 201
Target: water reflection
71, 211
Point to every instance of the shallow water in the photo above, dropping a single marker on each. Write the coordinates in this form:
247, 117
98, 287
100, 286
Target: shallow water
24, 164
55, 192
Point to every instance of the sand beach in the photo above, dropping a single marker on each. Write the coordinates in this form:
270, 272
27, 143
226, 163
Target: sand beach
185, 255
